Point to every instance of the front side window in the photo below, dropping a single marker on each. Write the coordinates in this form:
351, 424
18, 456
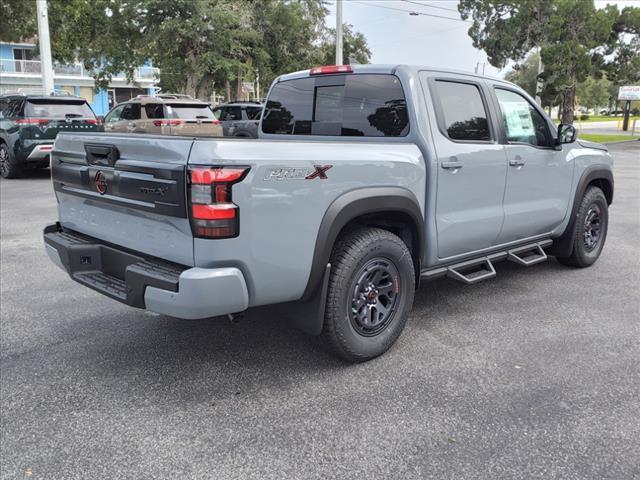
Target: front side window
463, 113
522, 122
360, 105
114, 115
4, 106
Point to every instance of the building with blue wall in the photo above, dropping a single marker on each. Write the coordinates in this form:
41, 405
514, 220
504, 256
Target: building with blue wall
21, 71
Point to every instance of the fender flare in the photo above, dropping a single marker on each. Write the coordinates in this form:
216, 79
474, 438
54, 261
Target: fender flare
563, 246
354, 204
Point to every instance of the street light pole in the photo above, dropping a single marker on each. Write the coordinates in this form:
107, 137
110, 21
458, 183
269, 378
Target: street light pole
45, 46
338, 32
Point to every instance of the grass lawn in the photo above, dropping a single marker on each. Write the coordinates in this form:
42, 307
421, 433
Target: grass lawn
598, 118
607, 138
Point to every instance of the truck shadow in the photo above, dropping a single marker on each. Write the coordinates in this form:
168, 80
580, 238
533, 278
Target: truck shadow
220, 360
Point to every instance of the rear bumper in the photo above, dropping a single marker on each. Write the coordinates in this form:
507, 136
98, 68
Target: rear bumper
40, 152
146, 282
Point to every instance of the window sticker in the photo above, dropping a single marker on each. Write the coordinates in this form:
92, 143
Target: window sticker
517, 119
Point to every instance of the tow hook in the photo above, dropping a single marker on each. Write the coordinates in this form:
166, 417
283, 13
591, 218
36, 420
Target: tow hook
235, 317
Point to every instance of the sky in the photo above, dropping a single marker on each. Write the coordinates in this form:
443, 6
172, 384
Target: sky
395, 36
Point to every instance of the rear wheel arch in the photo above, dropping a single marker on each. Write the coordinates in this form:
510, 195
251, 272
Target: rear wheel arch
391, 208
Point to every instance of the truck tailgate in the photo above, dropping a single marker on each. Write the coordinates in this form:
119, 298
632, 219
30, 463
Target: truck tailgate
128, 190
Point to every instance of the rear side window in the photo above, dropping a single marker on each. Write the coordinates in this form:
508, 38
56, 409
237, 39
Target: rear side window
253, 113
154, 110
14, 109
58, 109
462, 110
131, 112
231, 113
371, 105
189, 110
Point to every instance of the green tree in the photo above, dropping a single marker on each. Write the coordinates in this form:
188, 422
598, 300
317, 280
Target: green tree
594, 93
525, 74
199, 45
575, 38
354, 46
11, 28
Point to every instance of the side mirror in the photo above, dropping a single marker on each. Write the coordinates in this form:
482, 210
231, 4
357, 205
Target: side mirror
566, 133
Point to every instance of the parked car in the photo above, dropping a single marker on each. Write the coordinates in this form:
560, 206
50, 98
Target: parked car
239, 119
365, 180
29, 125
163, 115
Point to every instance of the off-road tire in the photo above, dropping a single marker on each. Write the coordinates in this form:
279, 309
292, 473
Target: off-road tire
8, 165
581, 255
353, 252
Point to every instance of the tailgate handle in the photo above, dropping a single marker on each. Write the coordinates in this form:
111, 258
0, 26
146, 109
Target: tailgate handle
103, 155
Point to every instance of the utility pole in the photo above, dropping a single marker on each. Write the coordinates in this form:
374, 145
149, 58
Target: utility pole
257, 85
538, 80
338, 32
45, 46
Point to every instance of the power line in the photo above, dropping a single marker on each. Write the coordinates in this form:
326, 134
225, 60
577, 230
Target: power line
431, 6
411, 12
402, 40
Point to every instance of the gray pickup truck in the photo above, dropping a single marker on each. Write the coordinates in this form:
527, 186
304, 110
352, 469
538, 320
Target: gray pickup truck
364, 181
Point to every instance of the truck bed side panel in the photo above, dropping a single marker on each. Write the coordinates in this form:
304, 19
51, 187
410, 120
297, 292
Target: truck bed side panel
280, 216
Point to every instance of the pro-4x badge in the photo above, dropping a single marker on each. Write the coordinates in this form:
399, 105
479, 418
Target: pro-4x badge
297, 173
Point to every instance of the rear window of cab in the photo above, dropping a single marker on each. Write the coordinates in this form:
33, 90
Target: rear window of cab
354, 105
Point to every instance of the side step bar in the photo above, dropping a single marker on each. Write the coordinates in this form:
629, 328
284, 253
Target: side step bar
473, 271
527, 256
481, 268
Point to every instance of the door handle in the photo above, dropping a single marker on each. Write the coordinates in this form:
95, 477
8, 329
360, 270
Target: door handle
132, 124
516, 162
454, 164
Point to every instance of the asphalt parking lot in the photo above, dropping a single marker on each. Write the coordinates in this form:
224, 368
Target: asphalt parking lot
535, 374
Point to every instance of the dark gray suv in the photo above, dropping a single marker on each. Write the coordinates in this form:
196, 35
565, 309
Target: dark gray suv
239, 119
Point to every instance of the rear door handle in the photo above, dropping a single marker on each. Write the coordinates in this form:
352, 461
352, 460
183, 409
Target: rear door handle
452, 164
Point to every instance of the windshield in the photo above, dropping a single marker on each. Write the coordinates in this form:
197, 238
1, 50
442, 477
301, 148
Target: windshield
189, 110
58, 109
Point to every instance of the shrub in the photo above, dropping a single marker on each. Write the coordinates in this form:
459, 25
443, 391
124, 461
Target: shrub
584, 117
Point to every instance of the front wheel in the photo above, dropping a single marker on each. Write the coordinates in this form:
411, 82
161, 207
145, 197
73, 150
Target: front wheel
592, 221
370, 294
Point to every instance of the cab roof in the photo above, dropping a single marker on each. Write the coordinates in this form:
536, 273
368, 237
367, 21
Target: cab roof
391, 69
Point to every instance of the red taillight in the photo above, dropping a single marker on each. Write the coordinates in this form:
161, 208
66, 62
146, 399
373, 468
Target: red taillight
93, 121
329, 69
32, 121
167, 123
213, 213
216, 122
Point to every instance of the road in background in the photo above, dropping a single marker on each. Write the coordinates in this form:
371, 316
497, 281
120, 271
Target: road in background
535, 374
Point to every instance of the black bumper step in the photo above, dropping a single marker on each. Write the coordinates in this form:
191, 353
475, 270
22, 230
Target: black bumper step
111, 270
